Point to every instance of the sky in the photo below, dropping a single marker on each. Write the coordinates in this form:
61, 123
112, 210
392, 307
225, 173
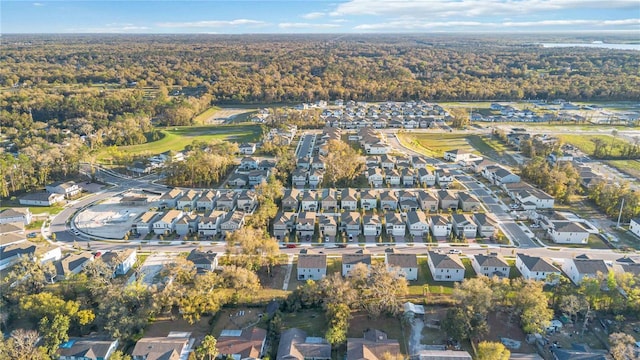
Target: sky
318, 16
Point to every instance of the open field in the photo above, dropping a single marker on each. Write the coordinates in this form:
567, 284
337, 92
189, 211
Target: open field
425, 283
205, 116
162, 326
630, 167
177, 138
218, 115
585, 142
313, 321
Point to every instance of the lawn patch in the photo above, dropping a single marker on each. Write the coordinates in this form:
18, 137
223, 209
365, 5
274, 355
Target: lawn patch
313, 321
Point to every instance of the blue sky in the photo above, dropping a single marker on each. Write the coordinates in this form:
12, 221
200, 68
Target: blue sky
317, 16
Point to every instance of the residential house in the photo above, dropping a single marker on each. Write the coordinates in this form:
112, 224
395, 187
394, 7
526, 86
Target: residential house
583, 267
408, 176
247, 148
426, 177
329, 200
579, 352
406, 263
447, 200
350, 223
227, 200
248, 163
41, 199
392, 177
66, 188
310, 201
395, 224
375, 177
257, 177
233, 220
283, 224
440, 226
369, 200
388, 200
157, 348
315, 178
11, 252
537, 268
312, 266
468, 202
317, 162
167, 222
71, 264
486, 224
291, 200
479, 165
371, 225
374, 345
238, 180
444, 178
372, 161
418, 223
87, 348
445, 355
16, 215
247, 201
170, 198
209, 225
634, 226
188, 200
188, 224
457, 155
387, 162
532, 198
349, 261
206, 201
408, 201
246, 344
328, 226
418, 162
296, 345
306, 223
299, 178
121, 261
204, 260
428, 201
464, 226
349, 200
445, 267
490, 265
503, 176
567, 232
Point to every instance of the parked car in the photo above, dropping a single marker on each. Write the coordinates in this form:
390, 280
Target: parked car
455, 251
291, 246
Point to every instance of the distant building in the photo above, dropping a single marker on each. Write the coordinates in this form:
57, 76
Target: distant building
16, 215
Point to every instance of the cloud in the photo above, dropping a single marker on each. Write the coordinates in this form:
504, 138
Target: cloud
470, 8
313, 15
212, 23
301, 25
38, 4
114, 28
400, 25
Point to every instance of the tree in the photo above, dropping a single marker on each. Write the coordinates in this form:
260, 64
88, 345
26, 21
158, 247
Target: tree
460, 118
54, 332
22, 344
492, 351
119, 355
342, 164
238, 278
252, 248
622, 346
208, 348
532, 304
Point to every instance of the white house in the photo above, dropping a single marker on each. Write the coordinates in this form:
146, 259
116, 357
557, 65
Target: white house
486, 223
188, 200
371, 225
426, 177
457, 155
445, 267
535, 198
535, 268
306, 223
167, 223
233, 220
369, 200
120, 261
247, 148
187, 224
41, 199
567, 232
349, 200
67, 188
170, 198
440, 226
87, 349
418, 223
207, 200
375, 177
388, 200
406, 263
581, 267
283, 224
248, 163
490, 265
634, 226
209, 225
394, 224
349, 261
312, 266
204, 260
464, 226
144, 223
16, 215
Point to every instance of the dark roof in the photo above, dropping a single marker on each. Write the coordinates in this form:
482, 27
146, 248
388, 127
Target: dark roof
294, 345
492, 259
312, 261
91, 348
201, 257
362, 256
590, 266
373, 346
445, 261
402, 260
534, 263
248, 344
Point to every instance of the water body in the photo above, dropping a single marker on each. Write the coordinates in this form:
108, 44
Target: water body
635, 47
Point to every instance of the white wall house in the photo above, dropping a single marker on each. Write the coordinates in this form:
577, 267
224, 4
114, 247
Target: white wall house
349, 261
536, 268
167, 223
406, 263
312, 266
568, 232
582, 267
445, 267
490, 265
634, 226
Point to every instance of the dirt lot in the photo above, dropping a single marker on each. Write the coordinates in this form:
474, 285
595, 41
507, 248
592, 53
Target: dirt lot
275, 280
236, 319
164, 325
503, 326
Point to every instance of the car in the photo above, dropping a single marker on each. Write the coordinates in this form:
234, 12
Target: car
455, 251
534, 226
32, 235
291, 246
342, 246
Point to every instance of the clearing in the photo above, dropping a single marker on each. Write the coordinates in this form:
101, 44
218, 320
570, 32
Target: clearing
586, 143
218, 116
177, 138
629, 167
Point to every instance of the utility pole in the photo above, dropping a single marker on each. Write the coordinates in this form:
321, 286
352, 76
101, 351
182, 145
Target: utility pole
620, 214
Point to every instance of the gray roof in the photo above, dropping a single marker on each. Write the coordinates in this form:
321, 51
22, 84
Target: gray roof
443, 355
294, 345
568, 226
445, 261
362, 256
91, 348
534, 263
492, 259
591, 266
201, 257
402, 260
159, 348
312, 261
414, 217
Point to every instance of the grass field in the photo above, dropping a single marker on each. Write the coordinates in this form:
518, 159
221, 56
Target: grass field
425, 282
630, 167
435, 145
313, 321
177, 138
585, 142
203, 117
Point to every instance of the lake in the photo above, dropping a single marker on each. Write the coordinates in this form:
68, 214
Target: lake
635, 47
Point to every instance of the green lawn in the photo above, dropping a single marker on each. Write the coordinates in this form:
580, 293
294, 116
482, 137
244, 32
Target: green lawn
360, 322
630, 167
585, 142
313, 321
436, 144
35, 210
425, 282
205, 115
177, 138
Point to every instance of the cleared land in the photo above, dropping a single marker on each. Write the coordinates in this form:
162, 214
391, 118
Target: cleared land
586, 142
630, 167
177, 138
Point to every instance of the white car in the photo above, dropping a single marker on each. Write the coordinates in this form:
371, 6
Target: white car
455, 251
